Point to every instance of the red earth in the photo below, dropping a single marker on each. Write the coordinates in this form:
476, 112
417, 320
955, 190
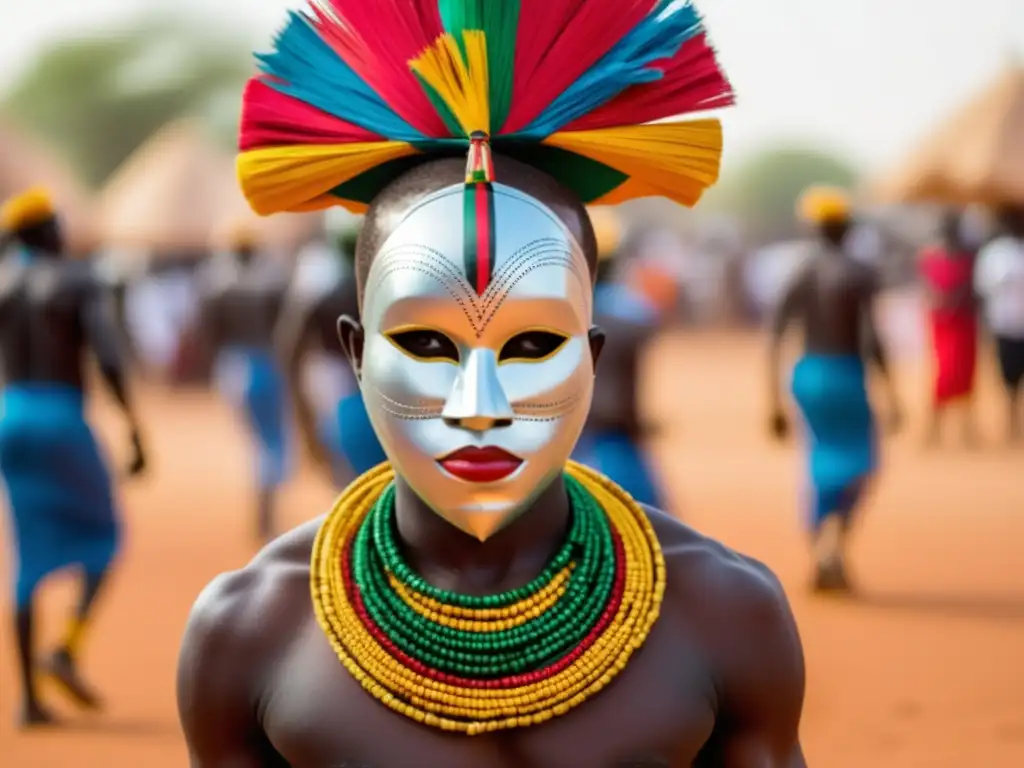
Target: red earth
924, 671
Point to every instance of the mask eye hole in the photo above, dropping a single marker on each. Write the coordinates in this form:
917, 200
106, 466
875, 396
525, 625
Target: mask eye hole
531, 346
425, 344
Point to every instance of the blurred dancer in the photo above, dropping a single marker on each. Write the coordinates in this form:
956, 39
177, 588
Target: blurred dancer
58, 486
242, 293
999, 280
832, 296
343, 442
630, 301
947, 271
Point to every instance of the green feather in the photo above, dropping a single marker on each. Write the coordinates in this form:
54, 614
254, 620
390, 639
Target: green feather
499, 21
589, 179
367, 185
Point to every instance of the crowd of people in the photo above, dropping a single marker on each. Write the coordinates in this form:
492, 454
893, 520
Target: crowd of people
270, 327
963, 281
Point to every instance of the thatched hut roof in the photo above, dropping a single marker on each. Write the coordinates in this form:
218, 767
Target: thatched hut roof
282, 233
976, 156
179, 193
167, 195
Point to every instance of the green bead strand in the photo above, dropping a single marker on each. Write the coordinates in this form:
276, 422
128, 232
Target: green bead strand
481, 655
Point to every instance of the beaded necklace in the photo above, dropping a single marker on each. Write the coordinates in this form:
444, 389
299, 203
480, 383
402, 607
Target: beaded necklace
477, 664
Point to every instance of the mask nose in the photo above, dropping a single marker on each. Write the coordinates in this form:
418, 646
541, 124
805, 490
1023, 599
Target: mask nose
477, 401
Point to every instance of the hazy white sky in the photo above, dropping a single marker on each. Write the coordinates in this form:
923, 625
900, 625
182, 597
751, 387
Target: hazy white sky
863, 76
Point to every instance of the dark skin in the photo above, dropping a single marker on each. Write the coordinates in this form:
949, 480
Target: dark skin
306, 324
719, 681
616, 400
45, 333
1011, 220
53, 311
832, 298
240, 307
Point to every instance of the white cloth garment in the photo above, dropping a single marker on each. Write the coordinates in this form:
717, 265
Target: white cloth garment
999, 280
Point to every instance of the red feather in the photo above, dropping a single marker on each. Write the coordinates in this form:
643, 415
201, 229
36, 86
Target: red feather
377, 39
692, 82
271, 118
552, 52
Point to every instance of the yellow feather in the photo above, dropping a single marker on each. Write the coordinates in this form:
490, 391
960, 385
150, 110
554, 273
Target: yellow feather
300, 177
676, 160
31, 207
461, 83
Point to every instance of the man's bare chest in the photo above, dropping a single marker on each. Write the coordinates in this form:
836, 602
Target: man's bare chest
657, 714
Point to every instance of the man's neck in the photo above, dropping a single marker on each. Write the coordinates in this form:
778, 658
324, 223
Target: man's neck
453, 560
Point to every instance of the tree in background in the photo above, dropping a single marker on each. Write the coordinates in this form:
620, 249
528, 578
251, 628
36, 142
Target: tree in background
97, 98
763, 191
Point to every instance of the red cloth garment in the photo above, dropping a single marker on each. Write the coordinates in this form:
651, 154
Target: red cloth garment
954, 329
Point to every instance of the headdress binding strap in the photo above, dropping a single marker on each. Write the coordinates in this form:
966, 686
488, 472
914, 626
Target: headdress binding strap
478, 212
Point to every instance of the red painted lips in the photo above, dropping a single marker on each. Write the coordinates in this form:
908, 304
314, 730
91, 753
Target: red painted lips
480, 465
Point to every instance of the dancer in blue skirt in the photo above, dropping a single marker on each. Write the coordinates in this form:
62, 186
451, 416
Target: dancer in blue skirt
58, 488
242, 293
832, 298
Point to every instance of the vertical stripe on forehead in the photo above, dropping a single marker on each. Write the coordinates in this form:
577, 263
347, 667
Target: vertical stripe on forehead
478, 241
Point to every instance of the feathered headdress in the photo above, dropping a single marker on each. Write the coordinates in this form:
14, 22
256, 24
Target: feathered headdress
358, 91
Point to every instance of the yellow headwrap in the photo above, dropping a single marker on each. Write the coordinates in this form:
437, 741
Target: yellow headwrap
31, 207
822, 205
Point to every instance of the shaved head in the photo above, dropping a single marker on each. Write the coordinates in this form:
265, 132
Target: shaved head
401, 195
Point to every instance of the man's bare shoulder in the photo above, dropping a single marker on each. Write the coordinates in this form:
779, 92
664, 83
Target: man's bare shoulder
254, 608
738, 611
716, 584
240, 626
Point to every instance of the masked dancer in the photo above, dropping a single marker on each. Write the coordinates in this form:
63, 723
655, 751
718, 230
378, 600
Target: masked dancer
478, 600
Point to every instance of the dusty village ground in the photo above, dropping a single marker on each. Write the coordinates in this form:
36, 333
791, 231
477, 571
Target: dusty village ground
923, 671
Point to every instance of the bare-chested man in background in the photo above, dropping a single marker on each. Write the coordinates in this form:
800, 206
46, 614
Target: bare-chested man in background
242, 293
53, 310
832, 298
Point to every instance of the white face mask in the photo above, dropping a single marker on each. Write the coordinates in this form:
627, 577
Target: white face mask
478, 375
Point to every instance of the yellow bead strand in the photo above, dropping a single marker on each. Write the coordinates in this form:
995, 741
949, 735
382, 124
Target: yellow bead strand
481, 710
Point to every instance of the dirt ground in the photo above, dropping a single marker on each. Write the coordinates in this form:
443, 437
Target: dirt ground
924, 671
